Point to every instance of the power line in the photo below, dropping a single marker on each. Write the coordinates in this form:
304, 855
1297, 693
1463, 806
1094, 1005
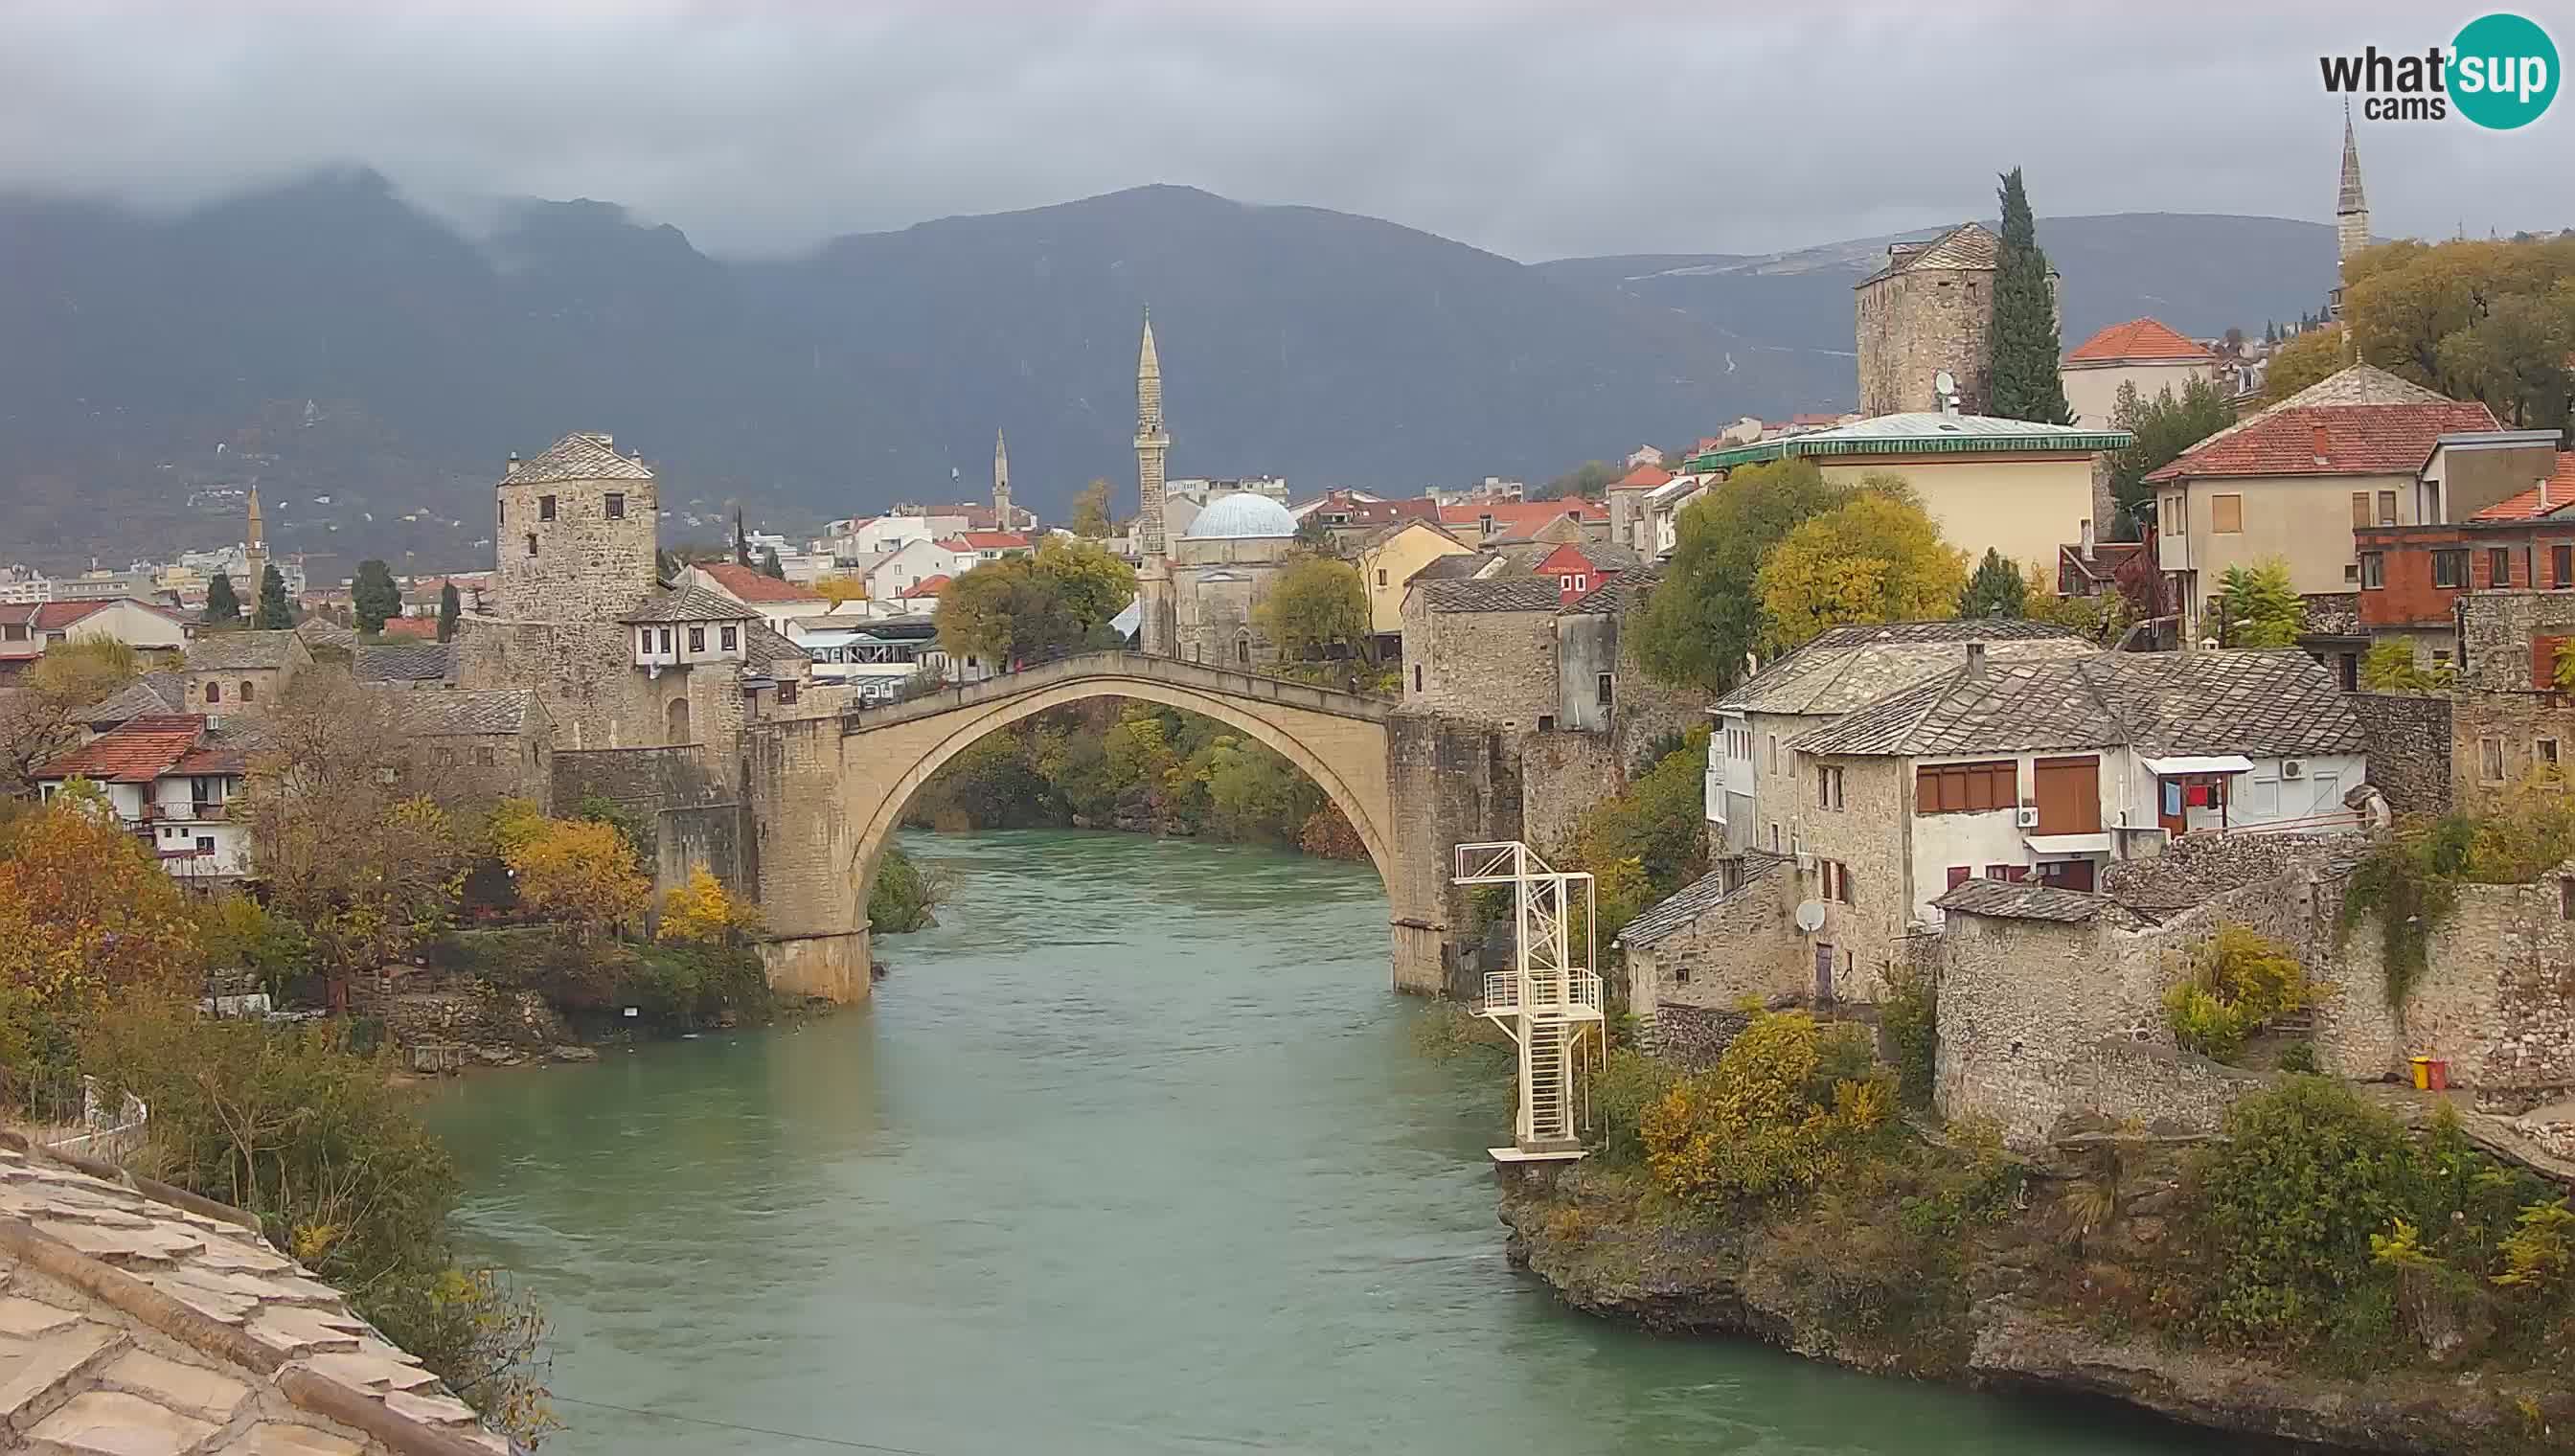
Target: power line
730, 1426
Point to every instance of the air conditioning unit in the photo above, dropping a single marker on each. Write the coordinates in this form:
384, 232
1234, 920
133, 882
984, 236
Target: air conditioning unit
2293, 768
1806, 863
2026, 816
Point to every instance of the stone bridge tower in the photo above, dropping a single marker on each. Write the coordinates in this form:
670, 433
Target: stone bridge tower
576, 531
1157, 627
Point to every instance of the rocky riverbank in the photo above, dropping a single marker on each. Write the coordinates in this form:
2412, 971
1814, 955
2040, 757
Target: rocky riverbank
2024, 1311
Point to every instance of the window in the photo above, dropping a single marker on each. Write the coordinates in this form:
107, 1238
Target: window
1416, 677
1966, 787
545, 507
531, 542
1546, 723
248, 691
2543, 752
2566, 900
731, 637
1960, 873
1834, 880
213, 693
1775, 753
2227, 515
441, 754
616, 505
1564, 583
2373, 570
2387, 507
486, 757
2360, 517
2561, 567
696, 638
2490, 759
1680, 973
1603, 689
2450, 568
205, 843
2351, 572
1828, 786
2498, 567
1381, 576
1582, 581
666, 639
1774, 836
1242, 652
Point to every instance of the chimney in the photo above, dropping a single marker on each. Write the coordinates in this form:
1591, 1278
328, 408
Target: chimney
2543, 494
1975, 659
511, 466
2324, 445
2087, 538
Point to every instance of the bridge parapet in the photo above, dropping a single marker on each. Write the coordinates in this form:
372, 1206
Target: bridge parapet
1143, 667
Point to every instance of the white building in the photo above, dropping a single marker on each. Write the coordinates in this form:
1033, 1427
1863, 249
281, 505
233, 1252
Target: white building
173, 784
914, 562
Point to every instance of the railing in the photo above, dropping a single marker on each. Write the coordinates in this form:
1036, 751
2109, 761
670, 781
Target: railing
1566, 991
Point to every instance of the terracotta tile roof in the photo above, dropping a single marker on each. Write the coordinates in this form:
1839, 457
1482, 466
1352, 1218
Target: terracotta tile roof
579, 457
2329, 440
213, 757
1520, 518
927, 587
1643, 478
137, 751
55, 616
2139, 339
2538, 501
747, 583
410, 626
994, 540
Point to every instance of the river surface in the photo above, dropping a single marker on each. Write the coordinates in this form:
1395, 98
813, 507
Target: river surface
1133, 1155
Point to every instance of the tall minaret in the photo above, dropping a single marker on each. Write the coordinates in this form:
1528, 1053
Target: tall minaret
1001, 517
255, 554
1156, 630
2351, 209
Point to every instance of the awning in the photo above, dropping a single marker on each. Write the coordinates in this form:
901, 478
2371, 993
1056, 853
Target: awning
2067, 843
2199, 763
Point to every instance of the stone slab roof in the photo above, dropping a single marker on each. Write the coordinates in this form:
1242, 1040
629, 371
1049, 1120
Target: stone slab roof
233, 652
136, 1319
2199, 868
1968, 245
401, 662
763, 645
2258, 704
151, 693
688, 603
1494, 594
2027, 901
1454, 567
450, 712
1621, 594
579, 457
1848, 668
1697, 899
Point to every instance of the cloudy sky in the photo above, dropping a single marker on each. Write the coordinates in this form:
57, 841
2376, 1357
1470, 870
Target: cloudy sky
1536, 131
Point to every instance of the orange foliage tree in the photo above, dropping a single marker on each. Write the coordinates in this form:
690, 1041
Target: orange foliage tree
85, 912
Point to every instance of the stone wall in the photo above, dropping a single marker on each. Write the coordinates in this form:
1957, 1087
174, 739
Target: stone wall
1871, 835
2409, 748
1563, 774
2496, 629
1454, 783
1744, 947
2496, 1001
2498, 739
585, 566
595, 697
1911, 325
698, 818
1495, 667
479, 768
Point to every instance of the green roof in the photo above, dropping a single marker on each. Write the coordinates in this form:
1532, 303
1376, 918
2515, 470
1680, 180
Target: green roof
1919, 433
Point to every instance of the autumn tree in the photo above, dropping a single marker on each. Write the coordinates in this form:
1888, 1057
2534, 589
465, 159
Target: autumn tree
2257, 608
1090, 510
374, 597
2167, 428
839, 589
1703, 619
1316, 603
1877, 557
86, 911
36, 716
578, 871
703, 912
2475, 319
348, 850
1996, 589
222, 606
2305, 360
451, 608
2024, 338
1057, 599
275, 614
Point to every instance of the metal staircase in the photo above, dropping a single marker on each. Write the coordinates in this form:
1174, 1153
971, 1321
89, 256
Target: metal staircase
1549, 1001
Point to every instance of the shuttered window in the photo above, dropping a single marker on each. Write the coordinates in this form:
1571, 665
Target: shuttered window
1966, 787
2227, 515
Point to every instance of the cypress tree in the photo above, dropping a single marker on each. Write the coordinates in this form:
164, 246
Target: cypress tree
770, 565
374, 595
741, 541
449, 609
2023, 337
1996, 589
221, 604
272, 614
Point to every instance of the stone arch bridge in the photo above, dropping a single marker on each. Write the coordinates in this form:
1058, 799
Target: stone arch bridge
826, 793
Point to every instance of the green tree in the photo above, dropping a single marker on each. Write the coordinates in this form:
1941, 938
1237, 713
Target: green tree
665, 565
1060, 600
2391, 667
2304, 360
274, 613
2257, 608
1996, 589
770, 565
2166, 429
450, 608
1090, 510
1877, 558
1316, 603
2514, 359
1092, 582
741, 541
2474, 319
2024, 335
1704, 617
374, 595
222, 606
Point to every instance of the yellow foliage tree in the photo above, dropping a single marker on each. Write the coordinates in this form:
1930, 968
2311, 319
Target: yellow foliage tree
85, 912
838, 590
1877, 558
1773, 1116
580, 870
703, 912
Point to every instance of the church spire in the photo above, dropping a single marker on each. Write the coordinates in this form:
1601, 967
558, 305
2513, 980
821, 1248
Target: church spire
1001, 517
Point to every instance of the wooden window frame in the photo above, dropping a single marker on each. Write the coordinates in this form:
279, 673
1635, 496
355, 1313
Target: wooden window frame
2227, 515
1984, 786
2362, 516
2450, 562
2373, 571
2499, 566
2387, 507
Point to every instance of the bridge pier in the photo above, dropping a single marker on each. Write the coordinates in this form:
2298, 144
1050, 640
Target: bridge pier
833, 967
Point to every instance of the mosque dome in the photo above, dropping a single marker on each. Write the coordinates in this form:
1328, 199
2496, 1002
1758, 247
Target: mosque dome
1243, 515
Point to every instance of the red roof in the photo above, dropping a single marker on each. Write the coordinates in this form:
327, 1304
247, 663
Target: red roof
994, 541
927, 586
135, 752
2139, 339
748, 586
420, 627
1643, 478
1520, 518
56, 616
2542, 500
2330, 440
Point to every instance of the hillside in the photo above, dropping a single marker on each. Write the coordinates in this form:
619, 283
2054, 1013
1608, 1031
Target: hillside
329, 339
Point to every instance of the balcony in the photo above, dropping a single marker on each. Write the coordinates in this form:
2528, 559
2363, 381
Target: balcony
1572, 995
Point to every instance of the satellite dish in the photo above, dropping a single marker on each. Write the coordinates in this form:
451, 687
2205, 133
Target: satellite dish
1810, 915
1945, 383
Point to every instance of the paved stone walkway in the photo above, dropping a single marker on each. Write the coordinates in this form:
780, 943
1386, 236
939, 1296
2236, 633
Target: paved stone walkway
133, 1326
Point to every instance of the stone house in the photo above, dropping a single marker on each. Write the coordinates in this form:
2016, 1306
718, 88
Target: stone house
1626, 499
2279, 485
2010, 486
232, 671
2509, 720
1386, 560
1726, 938
2141, 352
478, 744
1484, 650
2411, 577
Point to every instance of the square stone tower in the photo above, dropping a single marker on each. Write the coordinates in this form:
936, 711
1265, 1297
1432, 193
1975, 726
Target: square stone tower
1927, 310
575, 533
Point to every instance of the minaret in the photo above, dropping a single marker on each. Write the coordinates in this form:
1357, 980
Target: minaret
1001, 517
1156, 630
255, 554
2351, 209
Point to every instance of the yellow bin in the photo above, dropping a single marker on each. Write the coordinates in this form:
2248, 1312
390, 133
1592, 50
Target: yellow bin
2422, 1072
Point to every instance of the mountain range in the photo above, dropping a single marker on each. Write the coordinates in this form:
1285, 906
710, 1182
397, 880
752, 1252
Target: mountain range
329, 339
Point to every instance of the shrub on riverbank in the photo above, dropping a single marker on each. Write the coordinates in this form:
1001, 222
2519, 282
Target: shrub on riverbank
674, 987
904, 897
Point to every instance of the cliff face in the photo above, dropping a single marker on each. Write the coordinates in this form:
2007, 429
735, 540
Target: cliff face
1610, 1251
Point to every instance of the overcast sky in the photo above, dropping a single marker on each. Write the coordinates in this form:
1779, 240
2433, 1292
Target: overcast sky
1617, 126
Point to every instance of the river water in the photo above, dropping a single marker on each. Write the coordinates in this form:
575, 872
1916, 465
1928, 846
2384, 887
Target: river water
1133, 1155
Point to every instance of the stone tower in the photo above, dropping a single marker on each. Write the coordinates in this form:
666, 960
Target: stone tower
1154, 629
1930, 309
1001, 517
576, 531
2351, 209
254, 557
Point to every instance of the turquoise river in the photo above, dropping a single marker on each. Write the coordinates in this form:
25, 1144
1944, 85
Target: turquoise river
1133, 1155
